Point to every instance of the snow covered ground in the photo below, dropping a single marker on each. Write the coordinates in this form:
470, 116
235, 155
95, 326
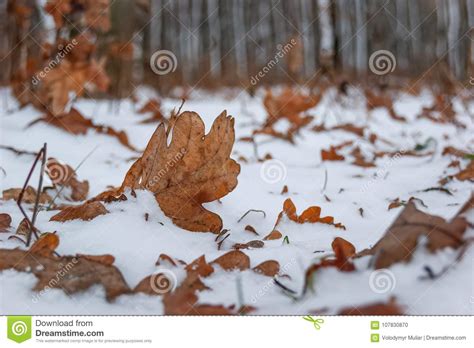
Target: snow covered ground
339, 188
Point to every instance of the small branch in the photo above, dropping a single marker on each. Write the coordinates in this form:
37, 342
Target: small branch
254, 211
31, 223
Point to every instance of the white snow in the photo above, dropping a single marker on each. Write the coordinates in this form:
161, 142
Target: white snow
136, 243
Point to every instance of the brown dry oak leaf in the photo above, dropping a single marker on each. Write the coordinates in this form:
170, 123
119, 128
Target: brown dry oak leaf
5, 222
289, 104
45, 245
75, 123
80, 274
86, 212
68, 77
379, 308
269, 268
344, 251
105, 259
273, 235
310, 215
233, 260
401, 238
29, 196
467, 173
331, 155
193, 169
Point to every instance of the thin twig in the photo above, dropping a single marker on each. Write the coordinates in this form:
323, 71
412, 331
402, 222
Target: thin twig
31, 223
254, 211
325, 180
18, 152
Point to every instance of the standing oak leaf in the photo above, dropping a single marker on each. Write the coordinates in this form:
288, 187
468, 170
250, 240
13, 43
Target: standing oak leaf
193, 169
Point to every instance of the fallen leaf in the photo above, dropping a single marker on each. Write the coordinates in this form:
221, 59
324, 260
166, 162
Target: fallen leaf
86, 212
45, 245
255, 244
310, 215
379, 308
467, 173
153, 106
194, 169
289, 104
183, 300
79, 274
163, 258
382, 101
451, 150
342, 249
331, 155
273, 235
400, 240
233, 260
5, 222
200, 267
359, 159
29, 196
251, 229
105, 259
395, 203
75, 123
269, 268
